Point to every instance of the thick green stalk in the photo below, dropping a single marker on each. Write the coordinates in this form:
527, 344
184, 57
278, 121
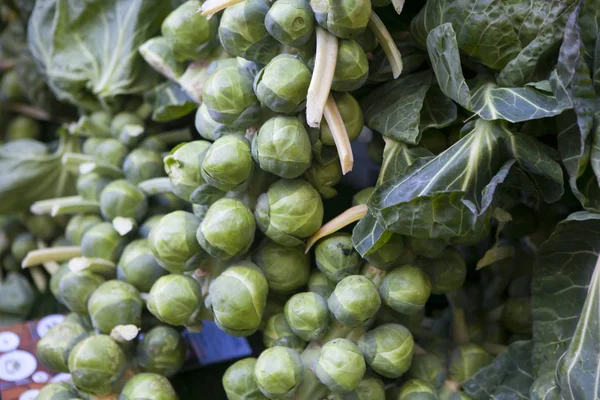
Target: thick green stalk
58, 254
387, 44
155, 186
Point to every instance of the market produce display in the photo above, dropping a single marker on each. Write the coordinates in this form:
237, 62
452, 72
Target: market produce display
167, 163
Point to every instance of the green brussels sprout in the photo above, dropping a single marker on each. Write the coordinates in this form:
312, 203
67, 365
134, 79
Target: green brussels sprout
476, 330
370, 388
138, 267
143, 164
362, 196
102, 241
355, 301
291, 22
406, 289
42, 226
352, 116
173, 242
307, 315
416, 389
290, 211
336, 258
210, 129
229, 97
286, 268
277, 332
21, 245
434, 140
91, 185
10, 89
367, 40
21, 127
121, 198
228, 163
275, 305
495, 333
75, 289
183, 165
227, 229
148, 224
148, 386
516, 315
391, 254
351, 68
430, 248
319, 283
158, 53
190, 34
127, 128
388, 349
10, 227
175, 300
110, 151
375, 148
248, 67
57, 391
16, 298
446, 273
388, 315
428, 368
340, 366
10, 264
80, 319
283, 84
242, 31
279, 372
523, 222
161, 351
282, 146
344, 19
466, 360
63, 269
238, 381
96, 364
305, 52
54, 347
115, 303
324, 177
237, 298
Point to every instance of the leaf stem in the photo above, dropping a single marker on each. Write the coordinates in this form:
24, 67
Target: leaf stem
349, 216
155, 186
387, 44
58, 254
340, 135
76, 207
211, 7
174, 137
322, 76
43, 207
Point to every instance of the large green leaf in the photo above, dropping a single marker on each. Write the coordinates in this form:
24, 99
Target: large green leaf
438, 110
400, 158
369, 235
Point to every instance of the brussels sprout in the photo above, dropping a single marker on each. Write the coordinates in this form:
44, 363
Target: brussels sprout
162, 351
10, 89
352, 116
238, 297
115, 303
21, 245
190, 34
291, 22
42, 226
320, 284
175, 300
355, 301
173, 242
121, 198
282, 147
229, 97
351, 68
324, 177
238, 381
388, 349
16, 298
283, 84
249, 68
388, 315
148, 224
138, 267
406, 289
476, 330
110, 151
54, 347
428, 368
290, 211
227, 229
228, 163
523, 222
143, 164
91, 185
434, 140
210, 129
96, 364
277, 332
416, 389
495, 333
242, 31
148, 386
286, 268
362, 196
183, 165
57, 391
370, 388
367, 40
102, 241
307, 315
336, 258
21, 127
466, 360
430, 248
516, 315
128, 128
446, 273
55, 279
340, 366
279, 372
344, 19
80, 319
375, 149
158, 53
391, 254
275, 305
75, 289
78, 225
10, 227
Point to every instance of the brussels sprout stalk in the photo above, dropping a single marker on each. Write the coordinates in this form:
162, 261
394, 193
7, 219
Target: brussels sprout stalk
44, 207
156, 186
124, 333
50, 266
173, 137
211, 7
349, 216
40, 256
339, 133
322, 77
398, 5
387, 43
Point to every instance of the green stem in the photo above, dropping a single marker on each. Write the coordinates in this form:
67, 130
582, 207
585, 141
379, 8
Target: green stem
174, 137
58, 254
211, 7
155, 186
459, 322
387, 44
102, 169
322, 76
75, 207
339, 133
44, 207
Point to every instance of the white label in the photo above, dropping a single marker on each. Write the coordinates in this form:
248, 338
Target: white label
9, 341
17, 365
48, 322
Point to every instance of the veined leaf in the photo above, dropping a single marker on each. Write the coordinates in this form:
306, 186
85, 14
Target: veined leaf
169, 102
545, 388
399, 159
438, 110
369, 235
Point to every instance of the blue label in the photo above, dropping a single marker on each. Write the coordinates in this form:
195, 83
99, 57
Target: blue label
212, 345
